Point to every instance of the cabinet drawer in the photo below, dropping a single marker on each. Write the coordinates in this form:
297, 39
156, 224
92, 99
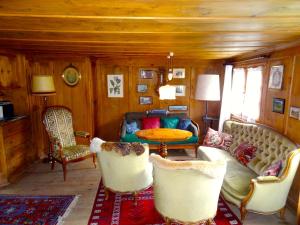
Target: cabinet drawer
15, 127
16, 163
17, 139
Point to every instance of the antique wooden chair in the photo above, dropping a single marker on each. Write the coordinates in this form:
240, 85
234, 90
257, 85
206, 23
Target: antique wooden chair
63, 147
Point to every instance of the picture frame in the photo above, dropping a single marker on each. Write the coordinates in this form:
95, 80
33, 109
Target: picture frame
141, 88
180, 90
177, 108
115, 85
71, 75
295, 112
278, 105
276, 77
147, 73
179, 73
145, 100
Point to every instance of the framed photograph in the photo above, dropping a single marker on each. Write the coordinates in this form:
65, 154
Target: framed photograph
115, 86
295, 112
180, 90
145, 100
276, 77
142, 88
147, 73
278, 105
177, 107
179, 73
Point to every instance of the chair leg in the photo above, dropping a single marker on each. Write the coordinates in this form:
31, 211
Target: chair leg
209, 222
52, 164
243, 212
106, 193
64, 165
94, 159
281, 213
168, 221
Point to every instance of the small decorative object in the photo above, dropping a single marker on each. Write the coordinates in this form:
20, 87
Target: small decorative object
180, 90
115, 85
276, 75
278, 105
147, 73
179, 73
295, 112
145, 100
178, 108
142, 88
71, 75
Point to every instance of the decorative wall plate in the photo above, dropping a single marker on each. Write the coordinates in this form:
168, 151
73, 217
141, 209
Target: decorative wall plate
71, 75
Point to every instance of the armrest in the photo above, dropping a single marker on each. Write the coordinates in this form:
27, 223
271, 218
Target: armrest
123, 128
194, 128
267, 179
83, 134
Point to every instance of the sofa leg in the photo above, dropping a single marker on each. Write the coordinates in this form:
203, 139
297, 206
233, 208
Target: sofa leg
243, 212
209, 222
281, 213
168, 221
196, 152
135, 195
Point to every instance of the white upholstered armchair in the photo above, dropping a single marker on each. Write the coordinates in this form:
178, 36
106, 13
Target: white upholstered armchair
125, 167
187, 191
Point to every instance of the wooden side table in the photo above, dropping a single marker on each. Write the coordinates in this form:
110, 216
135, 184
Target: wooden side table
164, 135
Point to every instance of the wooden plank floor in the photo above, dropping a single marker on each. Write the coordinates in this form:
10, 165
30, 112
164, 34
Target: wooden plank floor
83, 180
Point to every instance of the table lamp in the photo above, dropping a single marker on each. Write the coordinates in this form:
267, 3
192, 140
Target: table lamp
43, 85
208, 89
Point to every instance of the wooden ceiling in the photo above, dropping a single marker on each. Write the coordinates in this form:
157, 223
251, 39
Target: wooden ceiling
206, 29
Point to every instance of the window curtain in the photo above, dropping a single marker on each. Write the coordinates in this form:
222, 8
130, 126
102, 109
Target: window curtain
238, 91
226, 97
251, 108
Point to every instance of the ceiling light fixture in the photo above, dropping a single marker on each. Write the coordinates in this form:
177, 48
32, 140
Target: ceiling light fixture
170, 65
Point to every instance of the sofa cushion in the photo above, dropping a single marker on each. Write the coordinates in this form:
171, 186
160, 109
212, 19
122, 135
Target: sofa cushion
150, 123
245, 152
183, 124
132, 127
212, 154
134, 138
170, 122
274, 169
217, 139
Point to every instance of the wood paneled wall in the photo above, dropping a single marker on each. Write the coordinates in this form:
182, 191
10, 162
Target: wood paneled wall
110, 111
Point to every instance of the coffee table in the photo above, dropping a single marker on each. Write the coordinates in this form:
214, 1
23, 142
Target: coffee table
163, 135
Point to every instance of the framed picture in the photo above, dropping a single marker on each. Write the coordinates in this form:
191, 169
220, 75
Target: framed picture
115, 86
276, 76
278, 105
145, 100
179, 73
295, 112
177, 108
142, 88
147, 73
180, 90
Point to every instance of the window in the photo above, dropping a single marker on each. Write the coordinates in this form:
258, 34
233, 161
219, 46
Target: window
246, 93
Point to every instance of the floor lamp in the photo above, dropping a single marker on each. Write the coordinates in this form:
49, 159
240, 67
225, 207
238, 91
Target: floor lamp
43, 85
208, 89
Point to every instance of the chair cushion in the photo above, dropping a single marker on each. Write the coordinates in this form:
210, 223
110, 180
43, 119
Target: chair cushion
170, 122
150, 123
73, 152
184, 124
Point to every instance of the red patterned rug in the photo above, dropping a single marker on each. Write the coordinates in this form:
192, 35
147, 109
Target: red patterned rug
37, 210
120, 210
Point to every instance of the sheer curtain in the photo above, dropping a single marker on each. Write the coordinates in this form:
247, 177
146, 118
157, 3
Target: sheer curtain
238, 91
251, 107
226, 97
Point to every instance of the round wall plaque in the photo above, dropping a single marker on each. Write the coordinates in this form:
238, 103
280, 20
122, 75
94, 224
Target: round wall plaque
71, 75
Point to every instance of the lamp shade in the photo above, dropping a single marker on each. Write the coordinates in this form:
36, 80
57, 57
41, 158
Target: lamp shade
208, 87
42, 85
167, 92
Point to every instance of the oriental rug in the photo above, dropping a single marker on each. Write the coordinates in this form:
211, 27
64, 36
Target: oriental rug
37, 210
119, 209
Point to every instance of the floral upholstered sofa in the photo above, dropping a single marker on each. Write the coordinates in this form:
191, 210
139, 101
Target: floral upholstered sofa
248, 186
133, 121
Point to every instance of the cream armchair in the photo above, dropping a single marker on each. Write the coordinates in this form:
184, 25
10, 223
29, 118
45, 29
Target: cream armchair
123, 171
187, 191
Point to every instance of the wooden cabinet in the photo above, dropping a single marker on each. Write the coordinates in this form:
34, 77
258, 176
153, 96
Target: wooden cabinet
15, 146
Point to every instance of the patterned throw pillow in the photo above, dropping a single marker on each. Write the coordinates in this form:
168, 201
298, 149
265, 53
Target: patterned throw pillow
217, 139
274, 169
245, 152
170, 122
132, 127
184, 124
150, 123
